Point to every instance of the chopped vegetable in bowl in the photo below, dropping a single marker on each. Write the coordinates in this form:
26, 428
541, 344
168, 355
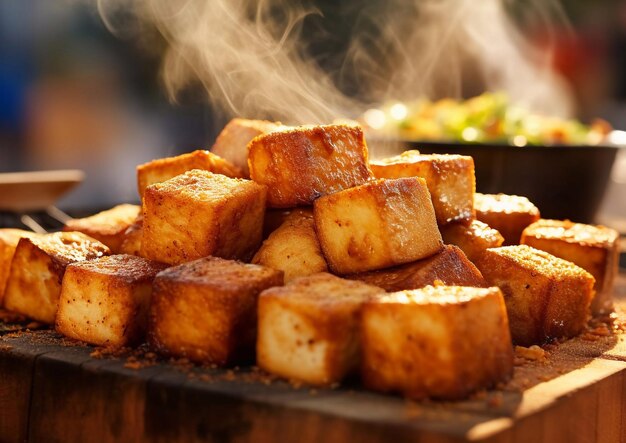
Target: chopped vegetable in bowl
487, 118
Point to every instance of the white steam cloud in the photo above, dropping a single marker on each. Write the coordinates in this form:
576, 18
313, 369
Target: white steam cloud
250, 58
433, 48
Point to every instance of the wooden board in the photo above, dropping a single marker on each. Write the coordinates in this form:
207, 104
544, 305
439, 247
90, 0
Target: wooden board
53, 390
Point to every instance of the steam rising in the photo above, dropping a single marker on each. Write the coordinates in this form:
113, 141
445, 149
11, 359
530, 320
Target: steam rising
247, 56
435, 48
250, 57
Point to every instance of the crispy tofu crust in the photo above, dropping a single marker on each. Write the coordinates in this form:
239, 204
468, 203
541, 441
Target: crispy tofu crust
206, 310
508, 214
232, 143
473, 238
293, 248
108, 226
131, 243
163, 169
8, 242
546, 297
449, 267
379, 224
308, 330
439, 342
37, 270
593, 248
450, 178
105, 301
198, 214
303, 163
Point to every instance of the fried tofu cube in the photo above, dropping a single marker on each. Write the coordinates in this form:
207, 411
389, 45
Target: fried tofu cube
379, 224
198, 214
163, 169
303, 163
308, 330
508, 214
206, 310
546, 297
8, 242
450, 179
293, 248
105, 301
108, 226
593, 248
449, 267
131, 243
37, 270
232, 143
439, 342
473, 238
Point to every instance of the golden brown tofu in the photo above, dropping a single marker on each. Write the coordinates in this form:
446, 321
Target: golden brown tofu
293, 248
546, 297
8, 242
206, 310
450, 179
108, 226
131, 243
163, 169
508, 214
198, 214
473, 238
105, 301
593, 248
34, 283
308, 330
232, 142
303, 163
438, 342
449, 267
379, 224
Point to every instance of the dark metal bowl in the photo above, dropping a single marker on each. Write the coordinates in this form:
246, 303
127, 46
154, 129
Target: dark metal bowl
564, 182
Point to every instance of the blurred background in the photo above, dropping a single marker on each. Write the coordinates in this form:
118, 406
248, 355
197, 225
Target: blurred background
73, 95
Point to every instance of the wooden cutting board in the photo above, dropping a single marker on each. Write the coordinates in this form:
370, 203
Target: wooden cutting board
54, 390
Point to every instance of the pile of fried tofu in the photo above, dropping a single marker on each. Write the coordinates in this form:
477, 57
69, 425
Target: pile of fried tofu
288, 248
